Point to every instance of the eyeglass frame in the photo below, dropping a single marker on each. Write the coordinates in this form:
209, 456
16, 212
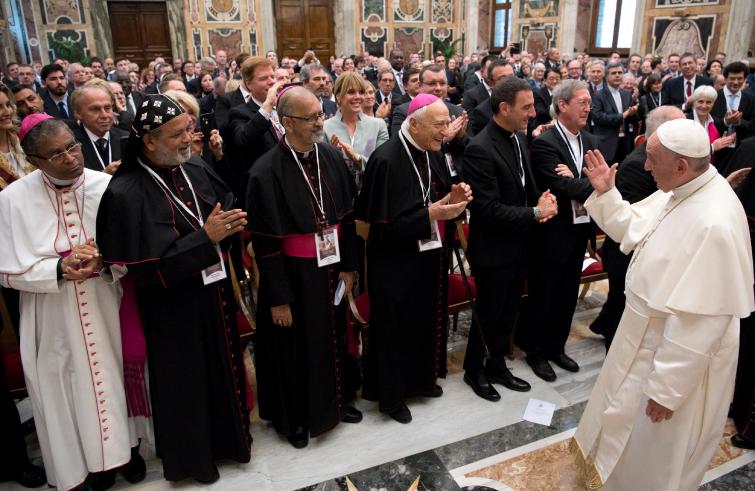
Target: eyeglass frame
70, 148
308, 119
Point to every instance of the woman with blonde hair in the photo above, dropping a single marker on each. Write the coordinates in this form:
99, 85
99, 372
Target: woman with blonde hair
352, 131
13, 163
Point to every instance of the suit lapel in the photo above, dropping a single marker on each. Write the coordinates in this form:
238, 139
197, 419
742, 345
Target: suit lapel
607, 95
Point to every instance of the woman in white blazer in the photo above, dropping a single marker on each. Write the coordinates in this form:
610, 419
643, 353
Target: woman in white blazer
356, 134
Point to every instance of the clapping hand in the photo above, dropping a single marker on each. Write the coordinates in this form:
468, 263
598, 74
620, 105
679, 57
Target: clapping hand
347, 149
384, 109
460, 192
458, 127
601, 176
220, 224
547, 205
724, 141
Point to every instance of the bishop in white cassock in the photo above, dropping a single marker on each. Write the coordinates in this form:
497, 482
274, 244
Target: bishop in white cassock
69, 328
658, 409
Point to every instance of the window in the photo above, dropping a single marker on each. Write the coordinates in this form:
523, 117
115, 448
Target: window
612, 26
501, 34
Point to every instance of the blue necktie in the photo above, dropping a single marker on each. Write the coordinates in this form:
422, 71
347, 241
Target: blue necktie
63, 111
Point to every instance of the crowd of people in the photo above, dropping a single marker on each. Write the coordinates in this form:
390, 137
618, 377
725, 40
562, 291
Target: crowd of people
127, 189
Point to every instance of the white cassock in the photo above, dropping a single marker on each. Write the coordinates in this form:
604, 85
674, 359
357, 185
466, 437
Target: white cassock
70, 331
689, 283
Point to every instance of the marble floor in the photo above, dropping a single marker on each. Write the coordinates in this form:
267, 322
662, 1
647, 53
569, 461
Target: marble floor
456, 442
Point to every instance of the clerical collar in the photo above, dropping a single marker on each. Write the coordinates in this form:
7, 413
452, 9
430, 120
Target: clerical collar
301, 155
63, 183
503, 130
413, 143
695, 184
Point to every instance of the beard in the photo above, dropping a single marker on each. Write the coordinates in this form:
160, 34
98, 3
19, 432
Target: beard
173, 158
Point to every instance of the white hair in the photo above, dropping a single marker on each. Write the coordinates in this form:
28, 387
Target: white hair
419, 114
704, 92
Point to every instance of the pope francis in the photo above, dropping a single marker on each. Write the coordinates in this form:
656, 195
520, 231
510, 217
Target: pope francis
659, 406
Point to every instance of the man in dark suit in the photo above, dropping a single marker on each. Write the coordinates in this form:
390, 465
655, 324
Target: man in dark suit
558, 247
614, 116
544, 95
432, 81
596, 72
480, 114
495, 70
635, 184
411, 85
56, 95
734, 108
677, 90
314, 78
507, 206
553, 59
253, 127
27, 78
100, 141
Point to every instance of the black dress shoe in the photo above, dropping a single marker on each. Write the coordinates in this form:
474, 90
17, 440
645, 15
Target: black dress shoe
30, 476
481, 386
740, 442
598, 328
300, 438
437, 391
212, 478
542, 368
565, 362
351, 415
506, 378
402, 415
100, 481
136, 470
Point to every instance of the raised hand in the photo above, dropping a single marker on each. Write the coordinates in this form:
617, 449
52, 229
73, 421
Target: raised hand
458, 127
460, 192
384, 109
445, 210
347, 149
601, 176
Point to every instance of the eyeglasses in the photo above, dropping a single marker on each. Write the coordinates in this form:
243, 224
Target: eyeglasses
58, 157
583, 102
308, 119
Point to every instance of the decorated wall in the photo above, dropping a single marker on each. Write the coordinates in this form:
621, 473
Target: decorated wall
229, 25
678, 26
413, 25
536, 24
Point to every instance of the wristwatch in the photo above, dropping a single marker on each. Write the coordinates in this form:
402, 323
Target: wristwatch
537, 214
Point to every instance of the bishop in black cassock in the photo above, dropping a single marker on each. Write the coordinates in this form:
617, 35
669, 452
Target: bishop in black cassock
405, 351
160, 216
297, 190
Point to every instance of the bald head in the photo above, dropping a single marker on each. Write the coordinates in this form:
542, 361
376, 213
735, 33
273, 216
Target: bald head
301, 114
660, 115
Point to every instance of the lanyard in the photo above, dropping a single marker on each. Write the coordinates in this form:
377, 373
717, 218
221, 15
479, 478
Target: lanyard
519, 156
320, 204
97, 152
425, 191
577, 163
159, 181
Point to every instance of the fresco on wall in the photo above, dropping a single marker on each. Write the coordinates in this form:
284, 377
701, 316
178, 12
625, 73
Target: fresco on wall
537, 38
228, 40
690, 34
409, 10
409, 40
442, 11
529, 9
68, 11
223, 10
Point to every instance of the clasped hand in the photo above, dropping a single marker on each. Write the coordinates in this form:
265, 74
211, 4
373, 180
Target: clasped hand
83, 260
547, 205
657, 413
452, 204
220, 224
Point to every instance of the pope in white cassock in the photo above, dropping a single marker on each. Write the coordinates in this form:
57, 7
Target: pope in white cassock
69, 326
658, 409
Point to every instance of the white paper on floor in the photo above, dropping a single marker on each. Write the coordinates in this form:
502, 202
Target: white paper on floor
540, 412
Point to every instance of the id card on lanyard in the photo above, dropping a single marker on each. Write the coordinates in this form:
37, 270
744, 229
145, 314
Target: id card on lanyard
579, 212
326, 238
434, 241
216, 272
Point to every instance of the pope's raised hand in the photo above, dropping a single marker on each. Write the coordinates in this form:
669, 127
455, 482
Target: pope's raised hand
601, 176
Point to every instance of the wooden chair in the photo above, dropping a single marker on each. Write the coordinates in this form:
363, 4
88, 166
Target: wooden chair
594, 272
458, 299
